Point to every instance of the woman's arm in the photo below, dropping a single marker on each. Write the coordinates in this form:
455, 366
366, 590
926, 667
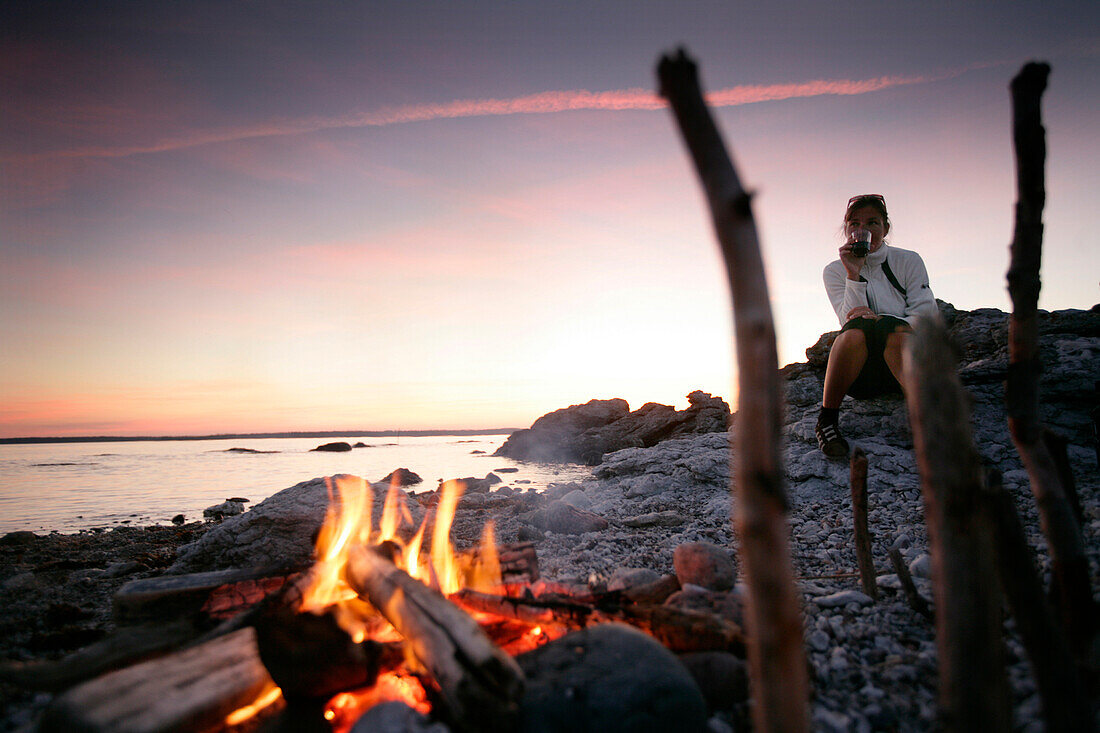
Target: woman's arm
844, 294
919, 300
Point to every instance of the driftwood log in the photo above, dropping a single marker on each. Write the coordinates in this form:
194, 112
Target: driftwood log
194, 689
777, 662
1065, 702
677, 629
1069, 565
480, 685
973, 692
858, 481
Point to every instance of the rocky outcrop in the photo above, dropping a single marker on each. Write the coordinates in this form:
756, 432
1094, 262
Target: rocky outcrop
338, 447
584, 433
280, 531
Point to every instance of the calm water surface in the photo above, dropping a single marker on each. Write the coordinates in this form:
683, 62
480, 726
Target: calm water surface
73, 486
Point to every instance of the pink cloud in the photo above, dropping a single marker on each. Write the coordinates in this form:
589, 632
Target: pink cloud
540, 103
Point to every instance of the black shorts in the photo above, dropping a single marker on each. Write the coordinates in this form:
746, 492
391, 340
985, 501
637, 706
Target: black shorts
875, 378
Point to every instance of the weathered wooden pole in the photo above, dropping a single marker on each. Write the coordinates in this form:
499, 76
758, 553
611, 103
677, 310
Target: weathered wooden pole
973, 693
777, 663
858, 480
1065, 702
1069, 564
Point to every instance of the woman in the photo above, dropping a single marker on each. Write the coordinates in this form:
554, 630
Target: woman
876, 295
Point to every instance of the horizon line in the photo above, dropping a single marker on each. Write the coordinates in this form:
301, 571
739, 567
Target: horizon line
260, 435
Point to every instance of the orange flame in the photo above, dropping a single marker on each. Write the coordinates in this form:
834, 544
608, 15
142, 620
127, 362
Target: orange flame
348, 522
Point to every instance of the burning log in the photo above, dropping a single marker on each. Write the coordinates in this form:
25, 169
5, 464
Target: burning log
973, 686
777, 662
859, 521
194, 689
1068, 561
678, 629
480, 684
219, 594
309, 655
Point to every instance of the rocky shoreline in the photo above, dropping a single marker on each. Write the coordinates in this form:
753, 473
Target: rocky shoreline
874, 662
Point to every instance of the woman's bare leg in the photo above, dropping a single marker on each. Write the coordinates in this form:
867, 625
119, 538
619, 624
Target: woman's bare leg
846, 359
891, 354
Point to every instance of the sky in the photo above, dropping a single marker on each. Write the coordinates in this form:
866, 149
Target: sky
265, 216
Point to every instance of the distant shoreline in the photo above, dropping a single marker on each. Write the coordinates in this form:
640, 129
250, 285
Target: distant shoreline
255, 436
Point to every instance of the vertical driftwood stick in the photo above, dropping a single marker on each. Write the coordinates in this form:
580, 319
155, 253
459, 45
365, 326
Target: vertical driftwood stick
859, 520
777, 665
1068, 562
973, 685
1065, 704
916, 600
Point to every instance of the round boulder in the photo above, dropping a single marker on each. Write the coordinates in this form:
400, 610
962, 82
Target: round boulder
704, 564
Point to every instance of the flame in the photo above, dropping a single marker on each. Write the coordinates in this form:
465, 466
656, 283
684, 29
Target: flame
485, 573
344, 709
269, 696
352, 518
443, 558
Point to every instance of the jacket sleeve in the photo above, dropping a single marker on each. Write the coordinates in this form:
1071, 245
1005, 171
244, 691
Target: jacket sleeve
844, 294
919, 301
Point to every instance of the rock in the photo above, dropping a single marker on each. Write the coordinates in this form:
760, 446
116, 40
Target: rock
506, 470
551, 437
395, 717
338, 447
403, 477
20, 537
479, 485
624, 578
705, 565
119, 569
722, 678
609, 678
667, 518
584, 433
360, 444
225, 509
562, 518
921, 566
278, 532
477, 453
238, 498
178, 519
843, 598
577, 499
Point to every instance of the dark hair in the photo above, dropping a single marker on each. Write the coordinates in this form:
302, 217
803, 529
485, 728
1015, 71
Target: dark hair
875, 201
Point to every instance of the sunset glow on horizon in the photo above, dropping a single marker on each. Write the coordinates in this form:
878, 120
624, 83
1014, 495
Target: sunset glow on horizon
238, 217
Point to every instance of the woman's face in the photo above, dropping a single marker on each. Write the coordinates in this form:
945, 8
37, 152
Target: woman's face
869, 218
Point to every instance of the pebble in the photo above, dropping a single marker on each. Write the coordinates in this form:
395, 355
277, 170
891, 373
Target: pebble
843, 598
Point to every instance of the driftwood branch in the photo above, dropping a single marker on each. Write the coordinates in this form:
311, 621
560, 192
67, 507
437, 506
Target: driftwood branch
858, 480
1068, 561
479, 683
677, 629
777, 663
1065, 703
915, 599
973, 685
193, 689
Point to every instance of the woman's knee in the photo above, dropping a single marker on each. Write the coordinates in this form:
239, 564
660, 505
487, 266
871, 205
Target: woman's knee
852, 340
896, 340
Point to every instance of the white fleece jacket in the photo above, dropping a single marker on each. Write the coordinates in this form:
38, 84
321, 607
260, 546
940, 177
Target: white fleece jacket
875, 290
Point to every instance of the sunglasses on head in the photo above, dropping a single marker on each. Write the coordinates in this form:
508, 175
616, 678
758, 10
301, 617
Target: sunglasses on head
864, 196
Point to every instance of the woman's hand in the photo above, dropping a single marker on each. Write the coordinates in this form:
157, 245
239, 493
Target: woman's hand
851, 263
862, 311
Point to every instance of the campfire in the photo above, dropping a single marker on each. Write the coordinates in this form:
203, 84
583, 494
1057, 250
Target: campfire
388, 612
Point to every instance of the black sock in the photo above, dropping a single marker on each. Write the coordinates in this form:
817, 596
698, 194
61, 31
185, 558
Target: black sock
828, 416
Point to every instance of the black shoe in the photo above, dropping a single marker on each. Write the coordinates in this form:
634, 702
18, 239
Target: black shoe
830, 441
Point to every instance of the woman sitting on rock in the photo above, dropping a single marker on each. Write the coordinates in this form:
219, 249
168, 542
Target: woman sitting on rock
876, 291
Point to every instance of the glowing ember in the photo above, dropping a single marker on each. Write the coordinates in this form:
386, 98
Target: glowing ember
268, 697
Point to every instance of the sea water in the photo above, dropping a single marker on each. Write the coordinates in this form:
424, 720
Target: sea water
68, 487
